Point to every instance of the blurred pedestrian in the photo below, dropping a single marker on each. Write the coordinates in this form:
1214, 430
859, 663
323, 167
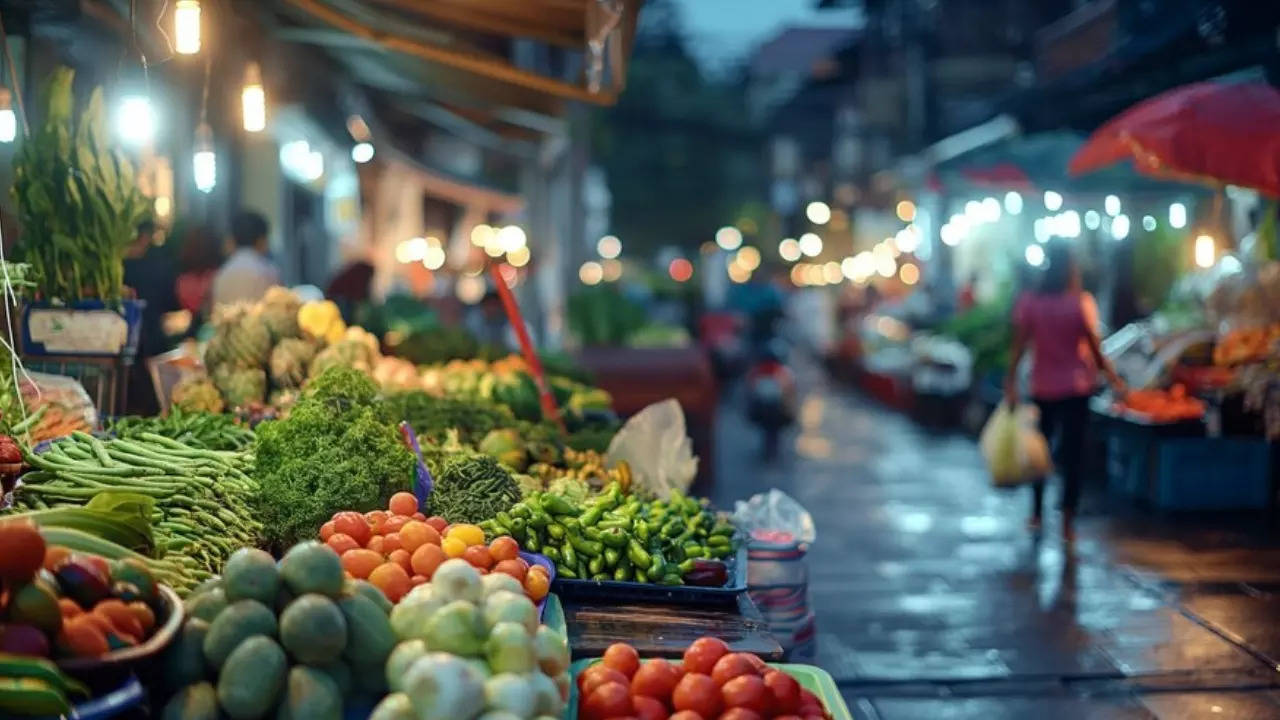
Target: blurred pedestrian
198, 262
249, 272
1059, 324
148, 270
351, 288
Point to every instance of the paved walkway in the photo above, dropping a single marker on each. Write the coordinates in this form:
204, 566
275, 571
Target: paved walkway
933, 601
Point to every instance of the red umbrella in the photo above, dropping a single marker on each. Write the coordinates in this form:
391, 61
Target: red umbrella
1225, 133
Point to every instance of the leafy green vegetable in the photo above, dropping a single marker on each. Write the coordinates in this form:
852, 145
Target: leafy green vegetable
433, 417
77, 199
337, 450
470, 488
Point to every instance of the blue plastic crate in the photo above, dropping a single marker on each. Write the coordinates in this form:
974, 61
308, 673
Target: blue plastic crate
1212, 474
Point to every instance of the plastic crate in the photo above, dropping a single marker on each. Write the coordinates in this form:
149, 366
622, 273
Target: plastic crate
1212, 474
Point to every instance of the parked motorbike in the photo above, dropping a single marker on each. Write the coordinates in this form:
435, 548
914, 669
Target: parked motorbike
771, 395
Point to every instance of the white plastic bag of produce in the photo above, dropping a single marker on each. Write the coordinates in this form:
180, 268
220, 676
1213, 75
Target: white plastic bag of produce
654, 443
775, 511
1013, 447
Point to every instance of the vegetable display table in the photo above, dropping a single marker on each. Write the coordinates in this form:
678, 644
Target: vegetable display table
666, 630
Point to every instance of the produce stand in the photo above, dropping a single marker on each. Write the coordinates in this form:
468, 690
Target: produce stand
666, 630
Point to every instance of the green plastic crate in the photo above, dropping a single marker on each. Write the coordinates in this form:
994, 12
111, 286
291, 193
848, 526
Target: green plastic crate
812, 678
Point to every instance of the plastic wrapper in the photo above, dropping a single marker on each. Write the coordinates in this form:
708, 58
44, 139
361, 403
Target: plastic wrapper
1013, 447
62, 402
775, 512
654, 443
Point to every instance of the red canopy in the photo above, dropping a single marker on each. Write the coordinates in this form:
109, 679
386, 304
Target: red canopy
1226, 133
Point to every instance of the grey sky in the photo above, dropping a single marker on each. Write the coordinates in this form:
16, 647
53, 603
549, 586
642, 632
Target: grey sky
724, 32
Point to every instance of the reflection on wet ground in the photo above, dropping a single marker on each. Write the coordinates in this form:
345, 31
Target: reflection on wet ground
934, 602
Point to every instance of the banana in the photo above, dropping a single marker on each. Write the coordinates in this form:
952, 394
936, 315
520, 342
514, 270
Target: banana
26, 666
28, 696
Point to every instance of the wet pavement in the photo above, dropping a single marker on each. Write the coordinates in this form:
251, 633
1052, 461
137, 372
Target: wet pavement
933, 601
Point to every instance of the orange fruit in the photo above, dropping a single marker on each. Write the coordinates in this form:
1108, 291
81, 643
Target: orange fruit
120, 616
376, 518
54, 555
504, 548
327, 530
512, 568
390, 542
403, 503
360, 563
353, 524
453, 547
69, 608
394, 523
341, 543
144, 613
391, 579
23, 550
81, 636
377, 544
416, 533
402, 558
426, 559
537, 585
478, 556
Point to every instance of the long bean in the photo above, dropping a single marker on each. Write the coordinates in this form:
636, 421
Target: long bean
203, 498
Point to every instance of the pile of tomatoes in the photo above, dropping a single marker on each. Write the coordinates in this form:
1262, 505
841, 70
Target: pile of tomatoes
399, 548
710, 683
1164, 406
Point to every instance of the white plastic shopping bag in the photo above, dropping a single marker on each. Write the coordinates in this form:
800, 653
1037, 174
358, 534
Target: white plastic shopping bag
654, 443
1015, 450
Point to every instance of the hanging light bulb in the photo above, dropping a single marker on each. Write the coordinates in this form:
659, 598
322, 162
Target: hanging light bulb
254, 99
8, 121
204, 163
136, 120
186, 27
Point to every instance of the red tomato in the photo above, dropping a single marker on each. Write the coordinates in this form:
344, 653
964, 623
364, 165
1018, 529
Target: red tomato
784, 689
354, 525
699, 693
808, 699
438, 523
787, 717
623, 658
648, 708
760, 665
686, 715
609, 700
597, 675
738, 713
731, 666
746, 691
702, 654
656, 678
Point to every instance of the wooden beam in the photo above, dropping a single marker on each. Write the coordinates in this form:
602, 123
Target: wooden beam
480, 21
465, 61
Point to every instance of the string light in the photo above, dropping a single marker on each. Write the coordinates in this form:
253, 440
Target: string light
362, 152
8, 120
519, 257
204, 163
811, 244
729, 238
789, 249
480, 235
906, 210
253, 100
1012, 203
1052, 200
818, 212
680, 270
609, 247
1178, 216
1205, 251
1111, 204
186, 27
591, 273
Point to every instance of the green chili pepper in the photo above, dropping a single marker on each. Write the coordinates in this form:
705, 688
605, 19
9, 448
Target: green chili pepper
596, 565
686, 566
590, 548
566, 572
638, 556
531, 543
591, 533
500, 530
602, 577
641, 530
671, 580
503, 518
695, 551
539, 519
571, 524
720, 551
592, 516
556, 531
569, 555
622, 573
658, 568
521, 510
724, 529
517, 524
721, 540
614, 537
672, 528
552, 554
557, 505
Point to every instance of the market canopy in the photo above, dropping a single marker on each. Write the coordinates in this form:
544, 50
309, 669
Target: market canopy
1039, 161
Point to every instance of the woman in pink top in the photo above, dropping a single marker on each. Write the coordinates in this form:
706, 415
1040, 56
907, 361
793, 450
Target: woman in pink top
1059, 324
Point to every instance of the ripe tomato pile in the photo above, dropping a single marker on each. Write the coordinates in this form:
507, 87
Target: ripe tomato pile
399, 548
710, 683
